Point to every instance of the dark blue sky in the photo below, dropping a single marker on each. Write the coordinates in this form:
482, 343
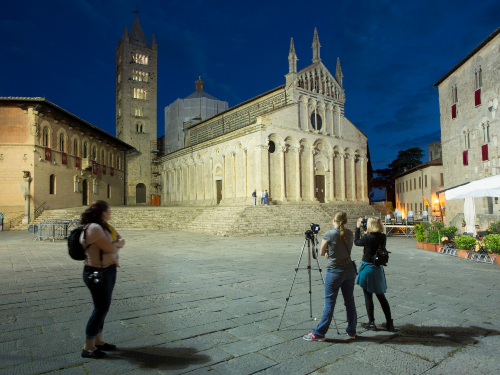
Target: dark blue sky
391, 53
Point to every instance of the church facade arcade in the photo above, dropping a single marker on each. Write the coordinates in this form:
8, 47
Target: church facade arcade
293, 141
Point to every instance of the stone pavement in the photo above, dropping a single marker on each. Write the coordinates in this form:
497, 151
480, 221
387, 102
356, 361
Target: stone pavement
193, 303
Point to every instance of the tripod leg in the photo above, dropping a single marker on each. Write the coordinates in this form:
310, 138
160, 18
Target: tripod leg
309, 272
319, 268
294, 276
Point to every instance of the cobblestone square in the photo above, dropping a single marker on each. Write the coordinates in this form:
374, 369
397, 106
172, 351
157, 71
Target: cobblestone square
192, 303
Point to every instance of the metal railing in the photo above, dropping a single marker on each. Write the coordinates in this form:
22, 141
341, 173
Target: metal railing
54, 229
15, 221
38, 211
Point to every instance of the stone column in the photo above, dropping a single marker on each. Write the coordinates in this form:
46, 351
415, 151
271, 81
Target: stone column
188, 182
283, 171
245, 187
329, 116
203, 182
195, 165
363, 177
312, 175
342, 177
233, 162
303, 115
353, 176
223, 177
324, 125
331, 166
297, 172
27, 180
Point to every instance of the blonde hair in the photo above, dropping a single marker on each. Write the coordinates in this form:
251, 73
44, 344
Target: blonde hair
374, 225
341, 219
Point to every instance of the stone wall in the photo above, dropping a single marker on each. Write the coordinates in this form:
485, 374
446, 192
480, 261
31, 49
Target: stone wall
469, 130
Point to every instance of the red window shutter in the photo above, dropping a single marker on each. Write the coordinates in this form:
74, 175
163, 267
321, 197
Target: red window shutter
477, 97
465, 157
454, 111
484, 152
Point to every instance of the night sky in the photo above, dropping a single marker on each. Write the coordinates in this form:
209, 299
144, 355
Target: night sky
391, 53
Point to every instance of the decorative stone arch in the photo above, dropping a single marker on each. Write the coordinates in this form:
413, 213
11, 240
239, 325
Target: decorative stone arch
197, 157
216, 152
320, 165
110, 159
62, 132
85, 147
78, 145
238, 147
206, 155
139, 127
477, 62
227, 150
218, 171
102, 155
291, 141
306, 144
94, 149
49, 141
276, 140
349, 151
322, 146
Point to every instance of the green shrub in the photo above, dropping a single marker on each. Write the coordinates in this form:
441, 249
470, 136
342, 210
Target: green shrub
449, 230
492, 243
438, 225
433, 236
465, 242
419, 233
425, 225
494, 227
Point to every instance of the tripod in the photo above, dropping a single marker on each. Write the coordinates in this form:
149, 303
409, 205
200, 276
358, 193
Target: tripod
309, 239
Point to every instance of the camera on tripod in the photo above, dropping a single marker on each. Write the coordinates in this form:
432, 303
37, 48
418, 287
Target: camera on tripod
314, 229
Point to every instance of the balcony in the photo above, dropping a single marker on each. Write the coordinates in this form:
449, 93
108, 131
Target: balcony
86, 163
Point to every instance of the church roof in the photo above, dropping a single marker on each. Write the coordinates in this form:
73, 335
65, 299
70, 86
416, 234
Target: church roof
200, 94
136, 35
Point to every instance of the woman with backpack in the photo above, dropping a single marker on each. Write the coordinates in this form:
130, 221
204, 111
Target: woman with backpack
371, 277
340, 274
101, 243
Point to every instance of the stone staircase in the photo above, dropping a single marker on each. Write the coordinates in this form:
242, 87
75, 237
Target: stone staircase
276, 220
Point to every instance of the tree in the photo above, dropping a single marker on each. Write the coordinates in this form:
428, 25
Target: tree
405, 160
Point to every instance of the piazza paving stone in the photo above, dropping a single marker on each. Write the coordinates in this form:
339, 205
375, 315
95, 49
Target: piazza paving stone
181, 307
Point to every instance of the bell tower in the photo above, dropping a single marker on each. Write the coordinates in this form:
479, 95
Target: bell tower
136, 83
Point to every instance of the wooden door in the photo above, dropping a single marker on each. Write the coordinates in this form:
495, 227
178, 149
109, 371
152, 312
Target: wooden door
320, 188
218, 184
140, 193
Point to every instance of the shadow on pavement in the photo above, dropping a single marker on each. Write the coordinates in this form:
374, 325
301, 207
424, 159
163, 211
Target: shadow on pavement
161, 358
430, 335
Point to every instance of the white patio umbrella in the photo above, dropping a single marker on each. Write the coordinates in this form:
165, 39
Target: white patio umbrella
470, 215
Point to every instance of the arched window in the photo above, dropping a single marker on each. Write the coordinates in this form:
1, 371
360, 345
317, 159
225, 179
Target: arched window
61, 142
85, 150
118, 162
109, 191
102, 157
315, 116
52, 188
45, 137
110, 161
140, 129
94, 153
75, 147
137, 128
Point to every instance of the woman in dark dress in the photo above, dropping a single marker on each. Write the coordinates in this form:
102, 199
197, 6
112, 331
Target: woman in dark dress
371, 277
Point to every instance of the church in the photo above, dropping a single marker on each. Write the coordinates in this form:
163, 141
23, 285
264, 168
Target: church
293, 141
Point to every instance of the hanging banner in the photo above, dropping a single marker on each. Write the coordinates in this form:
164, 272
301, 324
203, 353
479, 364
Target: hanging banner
64, 158
77, 162
111, 171
94, 167
48, 154
104, 170
425, 201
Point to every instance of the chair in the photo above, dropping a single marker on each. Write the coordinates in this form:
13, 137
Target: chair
409, 217
388, 219
397, 217
425, 216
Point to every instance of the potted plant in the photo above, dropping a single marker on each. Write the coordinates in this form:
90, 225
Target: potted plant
465, 244
492, 243
494, 227
432, 243
419, 236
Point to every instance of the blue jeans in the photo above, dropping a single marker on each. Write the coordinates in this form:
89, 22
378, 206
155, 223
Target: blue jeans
338, 279
265, 201
101, 296
261, 201
254, 201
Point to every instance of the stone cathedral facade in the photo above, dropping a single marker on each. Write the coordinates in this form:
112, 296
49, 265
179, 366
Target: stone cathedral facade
293, 141
136, 81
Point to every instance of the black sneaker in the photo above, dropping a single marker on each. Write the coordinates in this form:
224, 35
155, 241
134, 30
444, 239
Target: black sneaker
389, 326
95, 354
369, 326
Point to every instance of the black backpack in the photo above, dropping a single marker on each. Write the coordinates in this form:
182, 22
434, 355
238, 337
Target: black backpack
75, 248
381, 256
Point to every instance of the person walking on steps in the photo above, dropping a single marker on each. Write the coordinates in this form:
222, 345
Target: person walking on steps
340, 274
254, 196
265, 197
262, 197
102, 243
371, 277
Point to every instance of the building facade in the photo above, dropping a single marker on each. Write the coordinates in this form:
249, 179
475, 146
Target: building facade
417, 189
293, 141
49, 156
136, 83
185, 112
468, 102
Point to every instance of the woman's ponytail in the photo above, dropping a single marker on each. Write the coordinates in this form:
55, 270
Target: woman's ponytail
341, 219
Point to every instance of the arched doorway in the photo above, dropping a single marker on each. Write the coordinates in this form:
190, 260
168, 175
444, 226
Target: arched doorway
140, 193
85, 194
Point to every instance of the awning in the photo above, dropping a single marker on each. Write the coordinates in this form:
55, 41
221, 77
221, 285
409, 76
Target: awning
486, 187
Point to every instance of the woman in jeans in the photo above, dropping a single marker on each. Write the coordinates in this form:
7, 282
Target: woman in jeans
101, 243
340, 274
371, 277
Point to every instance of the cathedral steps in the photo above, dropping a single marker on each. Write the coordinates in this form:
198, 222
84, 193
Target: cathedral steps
276, 220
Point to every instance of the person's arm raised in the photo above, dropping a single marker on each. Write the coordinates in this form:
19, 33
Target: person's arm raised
106, 245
